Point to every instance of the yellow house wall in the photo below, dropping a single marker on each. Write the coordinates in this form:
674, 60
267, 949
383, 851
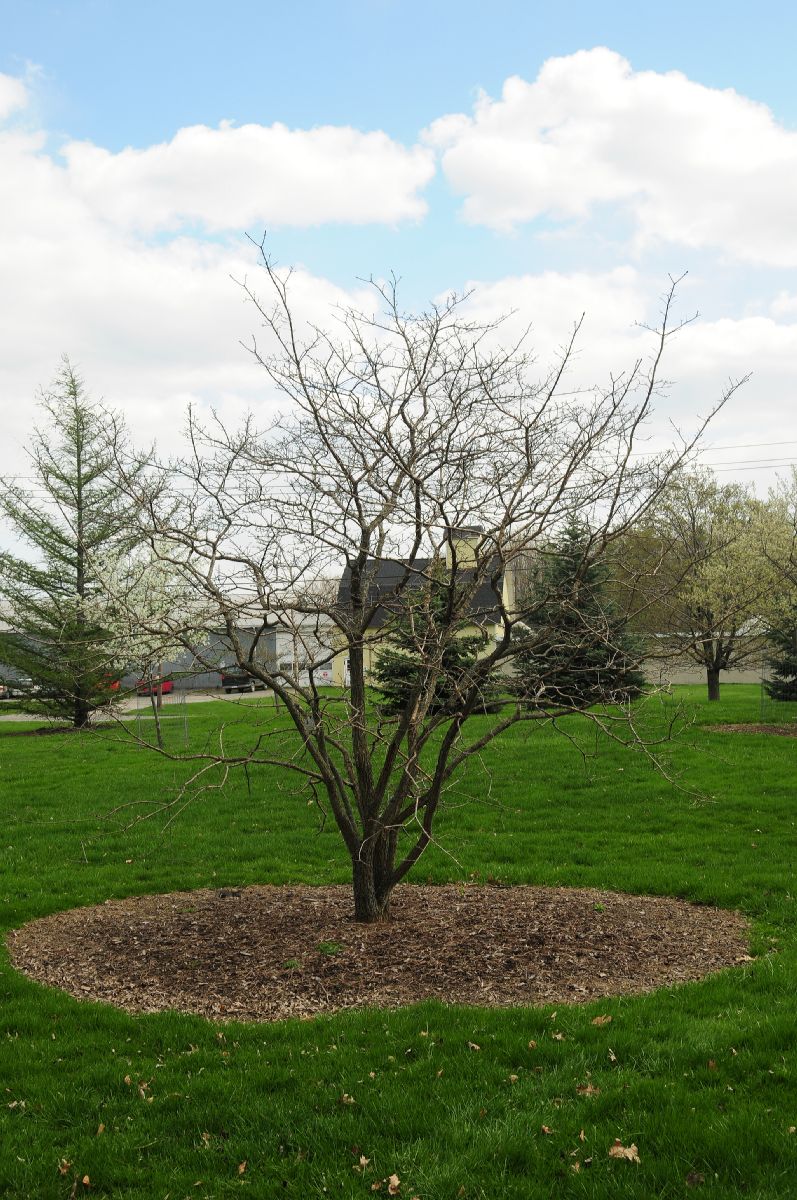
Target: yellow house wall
370, 651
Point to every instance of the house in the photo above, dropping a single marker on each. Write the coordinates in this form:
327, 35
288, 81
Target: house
390, 580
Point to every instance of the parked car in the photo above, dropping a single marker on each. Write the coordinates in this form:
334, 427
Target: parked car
14, 689
154, 684
234, 680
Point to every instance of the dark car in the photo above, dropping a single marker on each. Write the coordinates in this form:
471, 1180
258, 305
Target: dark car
233, 680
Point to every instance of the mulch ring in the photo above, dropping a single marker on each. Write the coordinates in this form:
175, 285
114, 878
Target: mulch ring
267, 953
780, 730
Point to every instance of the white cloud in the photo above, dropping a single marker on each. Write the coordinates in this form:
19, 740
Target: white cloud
155, 322
233, 178
700, 360
13, 95
689, 164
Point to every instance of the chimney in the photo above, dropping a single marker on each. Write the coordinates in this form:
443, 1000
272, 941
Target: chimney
462, 542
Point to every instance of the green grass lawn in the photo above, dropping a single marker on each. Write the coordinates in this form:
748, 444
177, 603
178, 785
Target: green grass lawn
701, 1078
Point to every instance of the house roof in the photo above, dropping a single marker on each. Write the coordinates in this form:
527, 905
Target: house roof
388, 575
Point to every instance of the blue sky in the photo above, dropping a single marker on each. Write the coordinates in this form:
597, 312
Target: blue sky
634, 142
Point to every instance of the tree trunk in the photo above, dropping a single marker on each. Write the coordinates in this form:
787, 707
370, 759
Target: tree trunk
371, 891
713, 680
81, 711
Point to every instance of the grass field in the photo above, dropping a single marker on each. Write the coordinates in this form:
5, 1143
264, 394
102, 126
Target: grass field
701, 1078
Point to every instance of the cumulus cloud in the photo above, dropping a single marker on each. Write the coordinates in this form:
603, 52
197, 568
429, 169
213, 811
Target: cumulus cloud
155, 322
106, 256
231, 177
689, 164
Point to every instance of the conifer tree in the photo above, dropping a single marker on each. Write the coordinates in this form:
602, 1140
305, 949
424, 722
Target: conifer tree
422, 636
578, 651
782, 662
71, 518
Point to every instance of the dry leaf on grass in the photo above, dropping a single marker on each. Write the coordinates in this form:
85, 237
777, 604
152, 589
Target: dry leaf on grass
588, 1089
629, 1153
604, 1019
393, 1185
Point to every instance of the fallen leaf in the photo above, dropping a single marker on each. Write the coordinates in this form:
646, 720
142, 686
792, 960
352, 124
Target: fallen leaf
393, 1185
546, 1129
695, 1178
582, 1137
473, 1046
604, 1019
100, 1129
513, 1078
439, 1073
86, 1181
532, 1045
558, 1037
588, 1089
629, 1153
576, 1166
612, 1055
376, 1185
242, 1167
553, 1016
128, 1080
347, 1099
63, 1166
364, 1162
712, 1064
793, 1129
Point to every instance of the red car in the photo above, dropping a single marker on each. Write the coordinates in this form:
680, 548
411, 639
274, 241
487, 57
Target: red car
153, 685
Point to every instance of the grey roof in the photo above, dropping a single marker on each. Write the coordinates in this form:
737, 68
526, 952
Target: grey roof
389, 574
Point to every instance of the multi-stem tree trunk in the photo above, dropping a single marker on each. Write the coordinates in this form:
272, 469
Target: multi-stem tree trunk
373, 877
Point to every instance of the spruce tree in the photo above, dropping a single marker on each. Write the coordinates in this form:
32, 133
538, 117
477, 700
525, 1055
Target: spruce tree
578, 651
72, 518
782, 662
421, 652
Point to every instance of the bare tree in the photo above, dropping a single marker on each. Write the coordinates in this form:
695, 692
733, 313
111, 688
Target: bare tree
416, 463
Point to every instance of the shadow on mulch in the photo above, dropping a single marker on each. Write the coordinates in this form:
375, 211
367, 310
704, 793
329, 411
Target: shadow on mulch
268, 953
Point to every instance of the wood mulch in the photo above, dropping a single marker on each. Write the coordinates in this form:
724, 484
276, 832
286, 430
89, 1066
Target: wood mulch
266, 953
780, 730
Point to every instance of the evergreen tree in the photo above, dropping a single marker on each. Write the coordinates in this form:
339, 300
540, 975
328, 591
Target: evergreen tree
72, 518
578, 651
783, 660
423, 654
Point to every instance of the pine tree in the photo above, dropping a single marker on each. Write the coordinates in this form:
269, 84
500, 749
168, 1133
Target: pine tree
420, 653
71, 518
578, 652
783, 660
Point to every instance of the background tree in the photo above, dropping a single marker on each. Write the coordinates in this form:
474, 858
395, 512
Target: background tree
73, 514
576, 650
782, 658
397, 429
717, 579
401, 662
